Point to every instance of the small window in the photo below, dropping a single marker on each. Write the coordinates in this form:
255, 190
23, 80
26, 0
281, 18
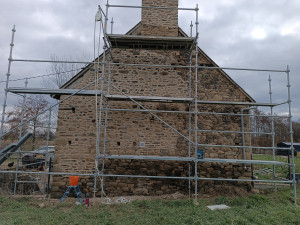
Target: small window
142, 144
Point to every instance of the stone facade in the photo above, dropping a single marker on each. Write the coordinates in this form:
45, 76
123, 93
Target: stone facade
127, 130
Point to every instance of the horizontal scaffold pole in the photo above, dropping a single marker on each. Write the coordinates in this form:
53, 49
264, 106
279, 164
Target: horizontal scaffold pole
18, 90
192, 159
150, 7
51, 61
152, 177
190, 112
149, 65
198, 178
239, 146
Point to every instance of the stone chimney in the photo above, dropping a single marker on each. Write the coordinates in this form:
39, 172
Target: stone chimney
160, 22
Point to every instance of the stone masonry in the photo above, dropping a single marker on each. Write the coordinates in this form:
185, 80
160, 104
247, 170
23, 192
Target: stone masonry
127, 131
160, 22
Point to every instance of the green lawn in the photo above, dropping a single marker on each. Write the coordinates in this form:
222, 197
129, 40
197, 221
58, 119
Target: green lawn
281, 170
272, 208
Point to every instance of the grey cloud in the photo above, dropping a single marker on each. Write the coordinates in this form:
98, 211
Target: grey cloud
66, 28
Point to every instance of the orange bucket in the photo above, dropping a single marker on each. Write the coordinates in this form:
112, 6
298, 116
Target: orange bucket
74, 180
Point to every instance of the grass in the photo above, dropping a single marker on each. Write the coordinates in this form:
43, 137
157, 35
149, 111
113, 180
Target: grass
272, 208
281, 170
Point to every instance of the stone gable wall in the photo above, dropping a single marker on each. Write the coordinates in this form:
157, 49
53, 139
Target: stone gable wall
76, 132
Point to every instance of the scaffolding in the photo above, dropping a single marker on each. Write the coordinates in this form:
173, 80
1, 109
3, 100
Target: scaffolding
189, 44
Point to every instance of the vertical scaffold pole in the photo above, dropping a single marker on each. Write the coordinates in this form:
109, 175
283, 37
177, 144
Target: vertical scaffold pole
291, 132
243, 136
190, 146
47, 151
190, 115
196, 105
101, 105
272, 130
105, 126
7, 81
96, 68
112, 25
98, 18
20, 135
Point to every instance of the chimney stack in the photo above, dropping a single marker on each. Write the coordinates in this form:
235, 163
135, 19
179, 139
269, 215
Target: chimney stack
160, 22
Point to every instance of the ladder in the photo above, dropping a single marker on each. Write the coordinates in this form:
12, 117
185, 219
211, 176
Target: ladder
77, 191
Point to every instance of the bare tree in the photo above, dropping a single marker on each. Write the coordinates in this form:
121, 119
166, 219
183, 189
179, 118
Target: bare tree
63, 72
60, 73
296, 130
35, 123
263, 124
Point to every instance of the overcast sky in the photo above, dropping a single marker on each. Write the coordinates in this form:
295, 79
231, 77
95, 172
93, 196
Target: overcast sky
261, 34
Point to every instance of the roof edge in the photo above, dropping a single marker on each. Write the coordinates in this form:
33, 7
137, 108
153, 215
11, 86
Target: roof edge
180, 31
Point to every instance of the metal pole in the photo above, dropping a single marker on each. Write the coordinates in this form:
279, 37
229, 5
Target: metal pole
232, 132
47, 151
105, 128
243, 134
112, 25
150, 7
238, 146
243, 137
48, 186
96, 69
190, 115
250, 143
201, 113
7, 81
101, 105
166, 66
190, 146
196, 106
191, 34
291, 133
50, 61
20, 135
151, 177
272, 129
